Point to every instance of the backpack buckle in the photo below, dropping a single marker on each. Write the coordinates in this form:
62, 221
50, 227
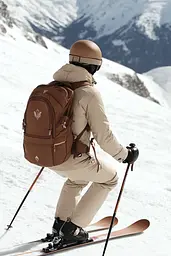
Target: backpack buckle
64, 125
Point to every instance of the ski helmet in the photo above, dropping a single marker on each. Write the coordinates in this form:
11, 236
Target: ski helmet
85, 52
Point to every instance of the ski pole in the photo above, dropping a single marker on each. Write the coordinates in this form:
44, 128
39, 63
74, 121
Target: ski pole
116, 207
9, 226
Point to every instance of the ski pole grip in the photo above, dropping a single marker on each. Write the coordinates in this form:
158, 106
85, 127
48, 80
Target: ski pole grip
135, 153
132, 145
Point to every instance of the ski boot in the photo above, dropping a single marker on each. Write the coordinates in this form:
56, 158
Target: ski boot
58, 223
71, 232
69, 235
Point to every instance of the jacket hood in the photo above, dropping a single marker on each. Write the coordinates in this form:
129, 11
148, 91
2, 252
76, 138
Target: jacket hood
71, 73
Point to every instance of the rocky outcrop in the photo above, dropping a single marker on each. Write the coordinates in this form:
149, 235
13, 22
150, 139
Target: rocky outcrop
7, 20
132, 83
5, 16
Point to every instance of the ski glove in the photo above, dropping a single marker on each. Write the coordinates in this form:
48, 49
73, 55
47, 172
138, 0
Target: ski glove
133, 154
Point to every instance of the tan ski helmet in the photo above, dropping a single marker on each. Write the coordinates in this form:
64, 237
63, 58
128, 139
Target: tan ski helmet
85, 51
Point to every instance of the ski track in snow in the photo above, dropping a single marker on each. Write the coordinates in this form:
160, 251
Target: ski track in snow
147, 191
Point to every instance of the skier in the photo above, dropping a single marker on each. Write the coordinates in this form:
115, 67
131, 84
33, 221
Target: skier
73, 212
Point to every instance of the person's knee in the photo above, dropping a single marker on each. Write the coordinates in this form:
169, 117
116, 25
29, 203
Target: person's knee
73, 184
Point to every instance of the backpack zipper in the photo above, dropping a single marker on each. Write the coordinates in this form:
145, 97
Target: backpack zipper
58, 144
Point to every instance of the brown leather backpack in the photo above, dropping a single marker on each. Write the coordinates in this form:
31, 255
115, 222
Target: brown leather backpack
48, 138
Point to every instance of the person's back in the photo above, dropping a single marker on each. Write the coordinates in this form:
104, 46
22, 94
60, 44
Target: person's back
82, 95
82, 167
88, 108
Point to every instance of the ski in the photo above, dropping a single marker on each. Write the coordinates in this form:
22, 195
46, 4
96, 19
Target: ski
100, 225
136, 228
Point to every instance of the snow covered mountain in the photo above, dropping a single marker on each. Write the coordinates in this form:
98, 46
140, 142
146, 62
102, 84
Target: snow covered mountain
127, 79
162, 76
147, 191
135, 33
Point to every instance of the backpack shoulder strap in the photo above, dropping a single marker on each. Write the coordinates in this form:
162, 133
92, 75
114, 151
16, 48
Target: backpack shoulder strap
72, 85
60, 83
76, 85
87, 128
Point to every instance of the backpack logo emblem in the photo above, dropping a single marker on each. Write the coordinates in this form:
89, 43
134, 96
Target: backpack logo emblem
37, 114
37, 159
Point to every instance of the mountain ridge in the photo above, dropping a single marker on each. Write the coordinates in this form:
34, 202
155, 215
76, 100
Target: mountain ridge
135, 33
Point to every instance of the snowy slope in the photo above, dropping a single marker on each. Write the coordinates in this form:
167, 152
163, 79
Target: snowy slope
155, 90
162, 76
109, 68
147, 193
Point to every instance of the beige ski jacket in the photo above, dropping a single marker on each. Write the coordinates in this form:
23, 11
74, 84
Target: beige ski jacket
88, 108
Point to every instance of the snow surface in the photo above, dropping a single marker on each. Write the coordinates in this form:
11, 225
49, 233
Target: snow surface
110, 67
147, 192
155, 90
104, 16
162, 76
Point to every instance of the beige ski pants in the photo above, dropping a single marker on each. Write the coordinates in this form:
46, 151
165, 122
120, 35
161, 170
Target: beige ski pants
80, 171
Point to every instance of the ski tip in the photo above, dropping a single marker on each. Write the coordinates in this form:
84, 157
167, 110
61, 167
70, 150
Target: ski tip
143, 224
104, 222
116, 221
108, 219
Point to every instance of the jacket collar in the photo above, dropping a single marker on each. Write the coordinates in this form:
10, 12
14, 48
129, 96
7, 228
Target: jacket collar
71, 73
